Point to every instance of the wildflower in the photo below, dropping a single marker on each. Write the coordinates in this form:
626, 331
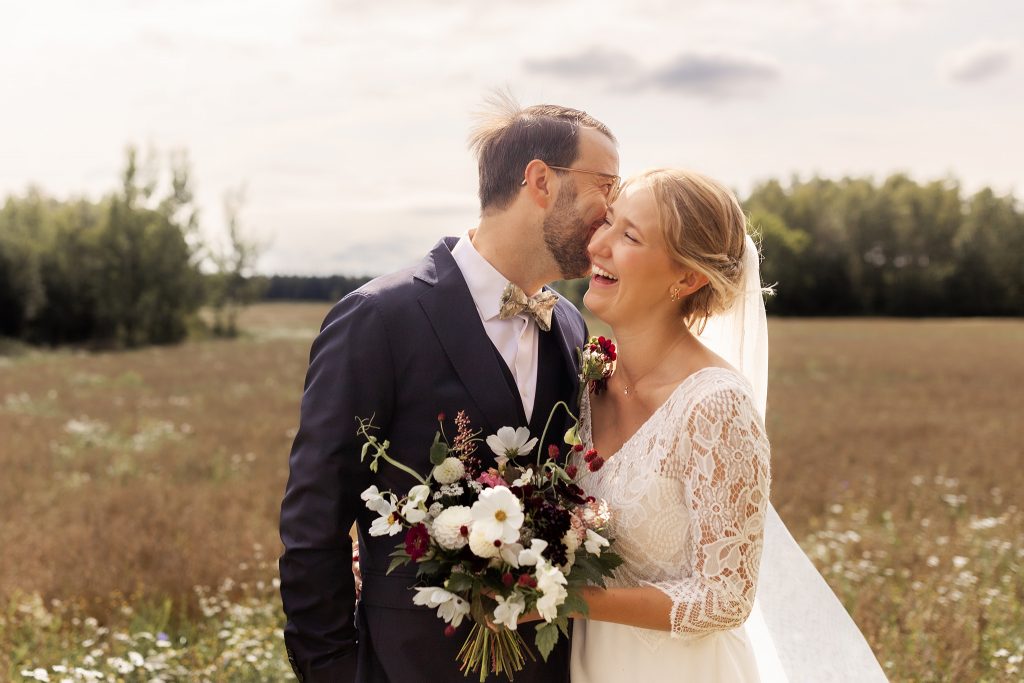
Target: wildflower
595, 464
374, 500
508, 610
551, 583
449, 471
524, 479
534, 554
497, 515
571, 471
450, 606
413, 509
595, 542
417, 541
554, 452
511, 442
388, 523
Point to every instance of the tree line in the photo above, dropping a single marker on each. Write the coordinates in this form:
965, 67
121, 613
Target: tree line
128, 270
898, 248
132, 268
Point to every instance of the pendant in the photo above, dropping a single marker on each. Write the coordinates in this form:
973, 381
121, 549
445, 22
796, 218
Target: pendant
625, 390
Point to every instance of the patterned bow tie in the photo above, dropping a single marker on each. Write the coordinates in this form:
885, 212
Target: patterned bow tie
539, 306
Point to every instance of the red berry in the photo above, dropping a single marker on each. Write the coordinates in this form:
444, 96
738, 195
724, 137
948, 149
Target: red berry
533, 582
524, 579
571, 471
578, 447
440, 417
553, 452
596, 464
449, 631
508, 579
464, 530
591, 454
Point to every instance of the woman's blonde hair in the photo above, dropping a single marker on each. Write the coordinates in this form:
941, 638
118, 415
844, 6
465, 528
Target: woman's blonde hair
705, 231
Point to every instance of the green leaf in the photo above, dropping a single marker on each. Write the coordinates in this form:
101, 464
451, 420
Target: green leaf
574, 604
547, 637
397, 562
458, 582
438, 450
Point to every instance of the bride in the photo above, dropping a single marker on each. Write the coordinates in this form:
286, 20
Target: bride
713, 588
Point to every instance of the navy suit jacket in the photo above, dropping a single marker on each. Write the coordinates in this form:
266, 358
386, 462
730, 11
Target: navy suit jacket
402, 348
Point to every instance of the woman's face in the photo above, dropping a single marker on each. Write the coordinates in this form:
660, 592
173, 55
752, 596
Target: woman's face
632, 273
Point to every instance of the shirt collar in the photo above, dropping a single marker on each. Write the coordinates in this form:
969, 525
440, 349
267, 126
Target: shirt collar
485, 283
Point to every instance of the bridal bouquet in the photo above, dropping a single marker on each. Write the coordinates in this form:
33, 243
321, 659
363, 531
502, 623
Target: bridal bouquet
492, 544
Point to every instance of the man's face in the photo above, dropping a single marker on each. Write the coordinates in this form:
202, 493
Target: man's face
581, 204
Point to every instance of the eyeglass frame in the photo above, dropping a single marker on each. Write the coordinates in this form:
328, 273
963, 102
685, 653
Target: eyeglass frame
616, 180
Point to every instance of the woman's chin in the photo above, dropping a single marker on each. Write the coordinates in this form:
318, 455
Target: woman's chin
596, 303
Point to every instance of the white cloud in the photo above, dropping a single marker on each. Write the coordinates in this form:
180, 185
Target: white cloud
980, 61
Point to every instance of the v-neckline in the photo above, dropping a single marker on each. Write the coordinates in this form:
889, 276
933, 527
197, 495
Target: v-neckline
683, 382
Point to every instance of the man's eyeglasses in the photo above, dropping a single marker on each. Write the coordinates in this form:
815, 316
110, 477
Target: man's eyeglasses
609, 189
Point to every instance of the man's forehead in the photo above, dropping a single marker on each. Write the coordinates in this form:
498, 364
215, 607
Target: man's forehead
598, 152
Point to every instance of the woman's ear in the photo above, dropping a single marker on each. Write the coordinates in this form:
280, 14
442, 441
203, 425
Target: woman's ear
689, 283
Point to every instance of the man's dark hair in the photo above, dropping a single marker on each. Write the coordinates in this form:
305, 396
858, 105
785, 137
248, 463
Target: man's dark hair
508, 137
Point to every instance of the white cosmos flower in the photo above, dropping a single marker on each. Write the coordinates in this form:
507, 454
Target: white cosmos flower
497, 515
595, 542
508, 610
450, 606
387, 524
375, 501
511, 442
413, 509
530, 557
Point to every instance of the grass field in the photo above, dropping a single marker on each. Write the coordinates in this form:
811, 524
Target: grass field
140, 492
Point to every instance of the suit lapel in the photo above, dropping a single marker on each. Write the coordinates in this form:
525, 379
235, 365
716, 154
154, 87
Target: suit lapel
453, 316
570, 337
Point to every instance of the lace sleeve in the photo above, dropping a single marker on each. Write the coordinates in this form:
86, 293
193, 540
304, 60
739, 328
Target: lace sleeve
725, 476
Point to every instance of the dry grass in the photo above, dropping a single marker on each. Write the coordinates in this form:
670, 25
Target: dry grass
133, 477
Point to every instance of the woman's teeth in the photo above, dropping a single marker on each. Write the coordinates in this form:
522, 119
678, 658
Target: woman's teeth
604, 273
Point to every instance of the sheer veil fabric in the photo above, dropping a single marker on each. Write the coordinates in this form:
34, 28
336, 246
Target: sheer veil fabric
798, 628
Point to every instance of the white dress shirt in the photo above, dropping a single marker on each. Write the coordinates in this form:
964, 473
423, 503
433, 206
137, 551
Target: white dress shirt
515, 338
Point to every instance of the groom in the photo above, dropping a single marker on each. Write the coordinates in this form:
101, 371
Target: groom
434, 339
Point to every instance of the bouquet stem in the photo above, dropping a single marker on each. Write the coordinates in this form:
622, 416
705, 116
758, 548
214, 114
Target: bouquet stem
486, 651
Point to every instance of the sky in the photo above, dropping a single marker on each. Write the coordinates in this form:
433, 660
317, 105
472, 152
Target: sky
346, 120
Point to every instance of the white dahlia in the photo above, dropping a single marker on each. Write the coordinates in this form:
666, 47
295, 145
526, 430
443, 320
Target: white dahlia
449, 471
481, 545
448, 527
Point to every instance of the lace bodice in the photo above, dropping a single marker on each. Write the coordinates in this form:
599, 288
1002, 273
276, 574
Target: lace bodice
688, 494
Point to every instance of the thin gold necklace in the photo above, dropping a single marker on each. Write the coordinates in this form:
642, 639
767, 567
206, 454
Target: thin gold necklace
630, 388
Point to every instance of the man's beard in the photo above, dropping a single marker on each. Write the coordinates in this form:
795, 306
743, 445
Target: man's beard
567, 236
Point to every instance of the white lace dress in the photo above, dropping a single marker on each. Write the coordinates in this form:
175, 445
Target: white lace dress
688, 494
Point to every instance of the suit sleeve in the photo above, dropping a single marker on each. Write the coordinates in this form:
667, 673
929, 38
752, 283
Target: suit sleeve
351, 374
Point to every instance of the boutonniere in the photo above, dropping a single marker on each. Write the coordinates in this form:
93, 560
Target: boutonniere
597, 363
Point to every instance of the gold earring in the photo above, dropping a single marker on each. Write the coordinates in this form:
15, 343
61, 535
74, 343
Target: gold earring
675, 294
